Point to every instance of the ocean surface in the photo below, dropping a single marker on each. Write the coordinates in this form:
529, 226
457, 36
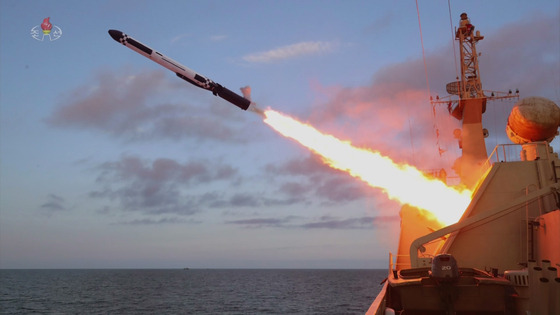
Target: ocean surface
195, 291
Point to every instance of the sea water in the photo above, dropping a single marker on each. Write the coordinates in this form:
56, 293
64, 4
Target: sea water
194, 291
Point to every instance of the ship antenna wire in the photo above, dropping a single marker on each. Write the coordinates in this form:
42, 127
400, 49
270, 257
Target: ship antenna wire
426, 72
423, 53
453, 40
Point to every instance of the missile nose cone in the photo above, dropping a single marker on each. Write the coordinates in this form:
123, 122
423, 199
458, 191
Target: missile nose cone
117, 35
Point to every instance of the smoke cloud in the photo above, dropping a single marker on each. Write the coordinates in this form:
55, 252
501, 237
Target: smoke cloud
291, 51
124, 106
393, 114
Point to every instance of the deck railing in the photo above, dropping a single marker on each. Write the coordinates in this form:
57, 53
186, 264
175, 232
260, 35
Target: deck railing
512, 152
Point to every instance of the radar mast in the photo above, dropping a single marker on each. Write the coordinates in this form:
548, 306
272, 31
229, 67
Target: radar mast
467, 102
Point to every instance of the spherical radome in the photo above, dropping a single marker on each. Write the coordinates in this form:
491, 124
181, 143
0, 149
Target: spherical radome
533, 119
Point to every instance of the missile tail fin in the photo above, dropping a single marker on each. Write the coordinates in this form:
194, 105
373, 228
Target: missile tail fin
232, 97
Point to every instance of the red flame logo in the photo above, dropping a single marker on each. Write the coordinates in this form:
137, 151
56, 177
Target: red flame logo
46, 26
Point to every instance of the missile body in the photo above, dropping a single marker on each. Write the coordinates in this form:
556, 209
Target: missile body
181, 71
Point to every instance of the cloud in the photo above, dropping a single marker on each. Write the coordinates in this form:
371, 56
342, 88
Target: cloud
341, 189
525, 55
310, 165
160, 186
351, 223
217, 38
251, 200
148, 221
237, 200
261, 222
125, 105
54, 204
164, 169
291, 51
325, 222
166, 186
295, 189
180, 37
391, 115
382, 23
394, 116
314, 179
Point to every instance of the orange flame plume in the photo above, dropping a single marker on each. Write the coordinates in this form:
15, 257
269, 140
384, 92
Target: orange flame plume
400, 182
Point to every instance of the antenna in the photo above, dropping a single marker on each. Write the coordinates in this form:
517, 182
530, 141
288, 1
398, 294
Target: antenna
468, 85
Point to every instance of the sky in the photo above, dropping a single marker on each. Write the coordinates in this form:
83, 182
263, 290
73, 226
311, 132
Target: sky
108, 160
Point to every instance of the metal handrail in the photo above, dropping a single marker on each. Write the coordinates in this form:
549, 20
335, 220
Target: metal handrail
506, 157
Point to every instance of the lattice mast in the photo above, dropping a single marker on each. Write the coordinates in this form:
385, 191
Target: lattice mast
470, 104
470, 79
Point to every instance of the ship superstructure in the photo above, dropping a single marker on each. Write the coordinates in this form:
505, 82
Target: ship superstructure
503, 256
467, 102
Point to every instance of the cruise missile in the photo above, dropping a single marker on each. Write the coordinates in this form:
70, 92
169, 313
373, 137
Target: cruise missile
181, 71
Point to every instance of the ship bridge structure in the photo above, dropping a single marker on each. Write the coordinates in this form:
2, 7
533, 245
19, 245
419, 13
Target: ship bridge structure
503, 255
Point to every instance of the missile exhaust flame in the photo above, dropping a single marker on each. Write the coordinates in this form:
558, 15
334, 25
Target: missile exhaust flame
400, 182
